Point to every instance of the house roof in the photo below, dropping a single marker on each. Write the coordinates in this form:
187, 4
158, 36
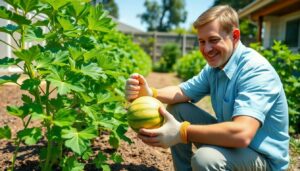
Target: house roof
269, 7
125, 28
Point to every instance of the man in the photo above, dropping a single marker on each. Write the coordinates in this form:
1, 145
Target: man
250, 131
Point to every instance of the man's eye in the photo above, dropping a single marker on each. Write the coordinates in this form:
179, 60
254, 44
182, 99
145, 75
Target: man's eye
201, 42
214, 40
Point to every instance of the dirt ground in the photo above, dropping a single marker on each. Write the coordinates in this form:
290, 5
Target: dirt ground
137, 156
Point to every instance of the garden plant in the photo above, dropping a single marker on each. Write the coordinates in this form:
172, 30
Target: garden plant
74, 64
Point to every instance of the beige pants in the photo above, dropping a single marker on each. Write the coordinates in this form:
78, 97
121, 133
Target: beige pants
209, 157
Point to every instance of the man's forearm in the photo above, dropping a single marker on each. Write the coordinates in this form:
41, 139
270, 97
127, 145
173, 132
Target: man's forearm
171, 95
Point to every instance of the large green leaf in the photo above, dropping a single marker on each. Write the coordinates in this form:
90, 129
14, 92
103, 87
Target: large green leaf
30, 135
34, 34
63, 87
98, 20
91, 70
78, 141
28, 55
29, 5
64, 117
7, 62
56, 4
71, 164
10, 28
66, 23
9, 78
5, 132
8, 15
30, 84
15, 111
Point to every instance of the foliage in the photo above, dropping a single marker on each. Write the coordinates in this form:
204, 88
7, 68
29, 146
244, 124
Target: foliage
74, 72
162, 17
190, 65
110, 6
287, 65
170, 53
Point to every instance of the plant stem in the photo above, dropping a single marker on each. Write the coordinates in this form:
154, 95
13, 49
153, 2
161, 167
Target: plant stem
18, 142
7, 44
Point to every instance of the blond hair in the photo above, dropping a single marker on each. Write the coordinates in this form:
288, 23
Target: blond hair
226, 15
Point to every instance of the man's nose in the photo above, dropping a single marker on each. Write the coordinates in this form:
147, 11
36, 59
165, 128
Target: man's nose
207, 47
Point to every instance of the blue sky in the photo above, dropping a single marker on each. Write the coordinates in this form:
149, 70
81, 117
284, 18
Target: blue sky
129, 9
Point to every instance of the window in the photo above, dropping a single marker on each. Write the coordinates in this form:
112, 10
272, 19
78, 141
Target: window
292, 33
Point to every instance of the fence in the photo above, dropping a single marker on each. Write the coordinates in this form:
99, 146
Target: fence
152, 42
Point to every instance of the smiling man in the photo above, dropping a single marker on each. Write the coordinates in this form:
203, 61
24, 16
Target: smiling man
250, 130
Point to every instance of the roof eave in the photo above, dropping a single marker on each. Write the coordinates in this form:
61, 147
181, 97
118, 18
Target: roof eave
254, 6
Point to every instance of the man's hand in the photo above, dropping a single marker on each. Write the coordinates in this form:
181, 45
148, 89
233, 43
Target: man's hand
136, 86
165, 136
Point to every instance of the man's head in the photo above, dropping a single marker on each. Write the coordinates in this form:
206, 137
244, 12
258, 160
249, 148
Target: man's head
218, 34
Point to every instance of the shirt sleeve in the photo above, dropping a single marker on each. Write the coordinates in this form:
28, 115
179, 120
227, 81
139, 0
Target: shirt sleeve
259, 87
198, 86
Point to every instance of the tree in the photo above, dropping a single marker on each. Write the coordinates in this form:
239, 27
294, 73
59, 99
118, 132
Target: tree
109, 5
164, 16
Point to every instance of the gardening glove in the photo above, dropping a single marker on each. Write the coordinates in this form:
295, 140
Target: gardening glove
137, 86
165, 136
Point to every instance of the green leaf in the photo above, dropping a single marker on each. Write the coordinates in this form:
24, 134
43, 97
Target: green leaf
34, 34
64, 87
116, 158
29, 5
75, 52
100, 160
80, 7
7, 62
10, 29
98, 21
65, 23
64, 117
8, 15
15, 111
5, 132
31, 85
91, 70
28, 55
12, 78
88, 133
56, 4
74, 142
71, 164
30, 135
114, 139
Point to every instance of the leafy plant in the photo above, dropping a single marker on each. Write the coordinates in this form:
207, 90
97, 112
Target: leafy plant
287, 65
74, 73
169, 54
189, 65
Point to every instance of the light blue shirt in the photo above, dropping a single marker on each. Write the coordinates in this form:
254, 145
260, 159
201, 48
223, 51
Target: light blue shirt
248, 85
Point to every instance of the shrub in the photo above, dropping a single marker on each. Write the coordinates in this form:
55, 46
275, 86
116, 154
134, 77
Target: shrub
75, 78
287, 65
189, 65
170, 53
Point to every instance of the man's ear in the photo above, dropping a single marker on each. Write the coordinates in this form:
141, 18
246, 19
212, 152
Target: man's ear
236, 34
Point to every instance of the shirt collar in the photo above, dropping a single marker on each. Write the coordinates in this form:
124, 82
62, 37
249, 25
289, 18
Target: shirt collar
232, 64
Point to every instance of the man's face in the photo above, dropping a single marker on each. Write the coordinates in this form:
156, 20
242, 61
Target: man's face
215, 44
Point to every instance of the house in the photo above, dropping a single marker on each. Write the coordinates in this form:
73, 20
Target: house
276, 20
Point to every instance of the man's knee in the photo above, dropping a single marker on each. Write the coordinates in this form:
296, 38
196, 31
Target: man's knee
208, 158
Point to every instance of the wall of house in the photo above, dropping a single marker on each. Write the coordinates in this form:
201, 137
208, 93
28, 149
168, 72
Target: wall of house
275, 29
